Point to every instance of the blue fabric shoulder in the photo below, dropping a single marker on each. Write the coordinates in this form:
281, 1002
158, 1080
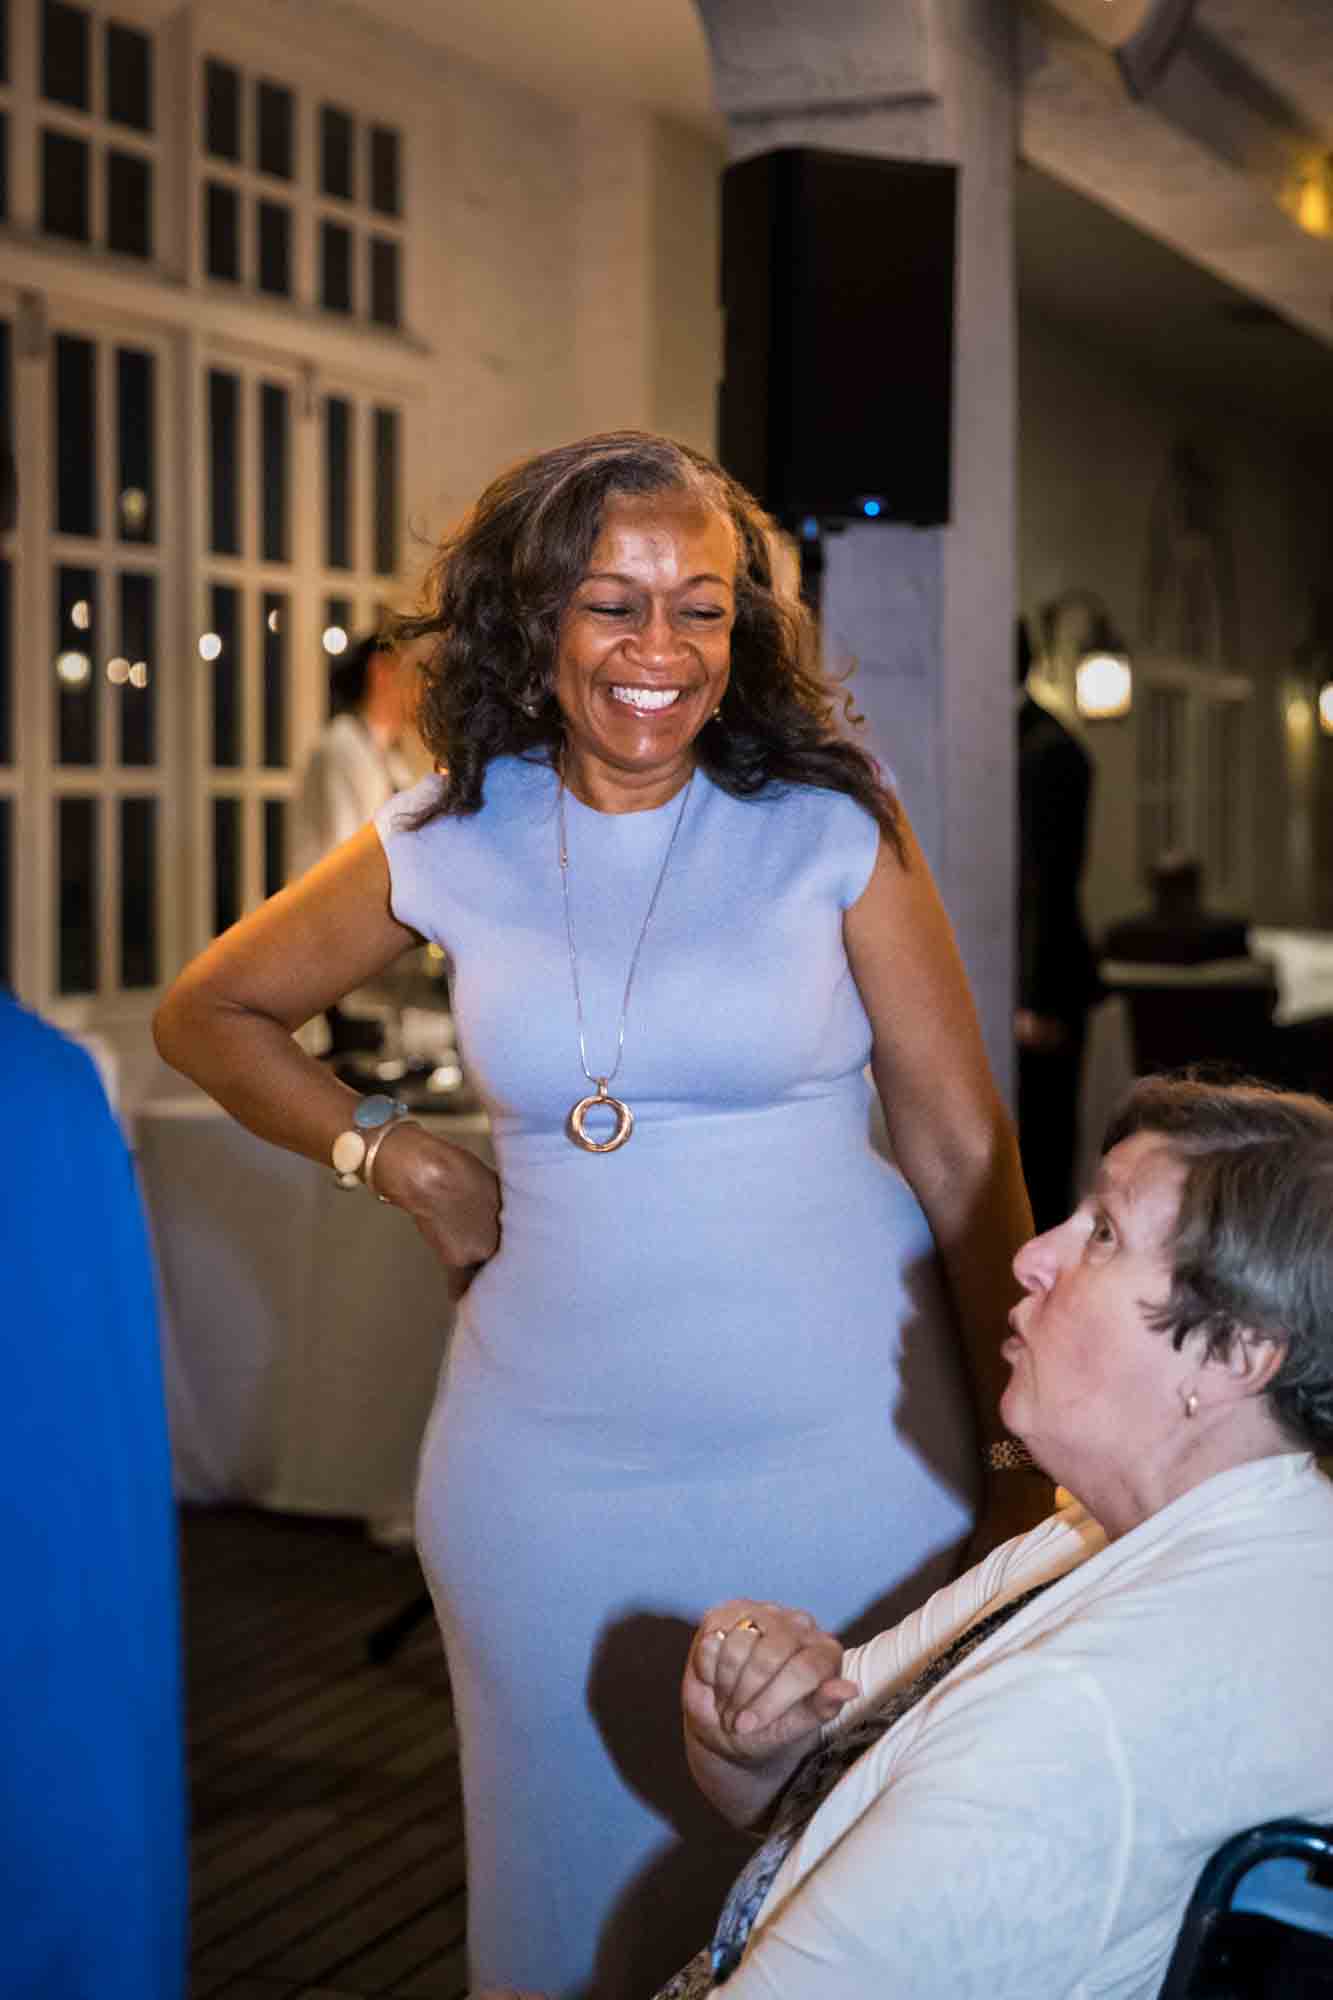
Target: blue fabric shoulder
834, 825
92, 1820
422, 860
427, 864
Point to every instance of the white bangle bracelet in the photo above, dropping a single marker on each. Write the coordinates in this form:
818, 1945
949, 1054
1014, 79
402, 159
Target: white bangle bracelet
352, 1148
349, 1154
368, 1164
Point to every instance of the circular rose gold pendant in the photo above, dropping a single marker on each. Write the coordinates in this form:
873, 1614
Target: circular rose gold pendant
624, 1118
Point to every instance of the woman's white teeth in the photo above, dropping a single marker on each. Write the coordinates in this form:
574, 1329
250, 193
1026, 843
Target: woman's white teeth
638, 697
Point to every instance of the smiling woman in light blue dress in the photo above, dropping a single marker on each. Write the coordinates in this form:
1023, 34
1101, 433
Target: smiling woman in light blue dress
704, 1330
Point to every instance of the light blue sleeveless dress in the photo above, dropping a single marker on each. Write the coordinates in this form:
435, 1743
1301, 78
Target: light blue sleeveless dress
713, 1363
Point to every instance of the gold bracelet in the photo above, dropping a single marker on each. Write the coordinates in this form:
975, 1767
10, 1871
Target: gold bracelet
368, 1164
1010, 1455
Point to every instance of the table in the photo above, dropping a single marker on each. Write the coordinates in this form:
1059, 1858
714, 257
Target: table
302, 1326
1303, 963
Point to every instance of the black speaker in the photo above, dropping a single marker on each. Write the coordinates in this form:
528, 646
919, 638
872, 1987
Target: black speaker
838, 288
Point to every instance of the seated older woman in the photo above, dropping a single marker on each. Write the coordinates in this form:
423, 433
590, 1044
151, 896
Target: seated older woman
1011, 1794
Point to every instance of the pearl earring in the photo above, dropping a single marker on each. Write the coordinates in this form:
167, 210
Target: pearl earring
1191, 1404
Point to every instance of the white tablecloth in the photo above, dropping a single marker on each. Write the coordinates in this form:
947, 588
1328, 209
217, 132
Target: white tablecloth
303, 1326
1304, 964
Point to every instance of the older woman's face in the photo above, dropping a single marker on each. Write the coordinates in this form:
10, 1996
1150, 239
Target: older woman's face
1093, 1387
645, 647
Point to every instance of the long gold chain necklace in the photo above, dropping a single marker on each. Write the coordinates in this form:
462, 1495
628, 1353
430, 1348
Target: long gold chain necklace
621, 1112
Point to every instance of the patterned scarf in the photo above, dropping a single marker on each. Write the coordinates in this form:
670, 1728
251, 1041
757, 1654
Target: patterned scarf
810, 1786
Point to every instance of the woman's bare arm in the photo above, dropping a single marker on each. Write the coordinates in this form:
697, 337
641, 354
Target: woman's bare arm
228, 1023
950, 1133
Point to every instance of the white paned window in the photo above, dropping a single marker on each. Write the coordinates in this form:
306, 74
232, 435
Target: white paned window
300, 513
92, 119
1195, 777
200, 476
300, 198
88, 605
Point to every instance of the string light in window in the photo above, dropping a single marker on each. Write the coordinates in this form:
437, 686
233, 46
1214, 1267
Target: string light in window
134, 508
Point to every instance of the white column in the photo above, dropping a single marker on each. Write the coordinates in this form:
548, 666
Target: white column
927, 613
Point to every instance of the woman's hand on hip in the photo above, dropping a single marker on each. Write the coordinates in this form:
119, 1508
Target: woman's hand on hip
451, 1195
761, 1681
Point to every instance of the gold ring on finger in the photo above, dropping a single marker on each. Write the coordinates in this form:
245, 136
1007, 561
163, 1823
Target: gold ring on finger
748, 1625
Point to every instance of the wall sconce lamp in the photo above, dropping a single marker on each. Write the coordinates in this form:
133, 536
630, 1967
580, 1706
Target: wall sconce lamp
1326, 708
1079, 623
1313, 660
1307, 195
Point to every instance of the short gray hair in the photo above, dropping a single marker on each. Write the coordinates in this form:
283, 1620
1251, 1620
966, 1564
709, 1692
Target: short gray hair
1252, 1243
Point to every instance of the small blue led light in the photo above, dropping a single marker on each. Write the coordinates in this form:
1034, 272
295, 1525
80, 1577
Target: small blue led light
809, 529
872, 509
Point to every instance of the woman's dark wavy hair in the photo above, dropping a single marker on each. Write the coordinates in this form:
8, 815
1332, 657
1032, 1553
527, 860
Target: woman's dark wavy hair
1252, 1245
501, 581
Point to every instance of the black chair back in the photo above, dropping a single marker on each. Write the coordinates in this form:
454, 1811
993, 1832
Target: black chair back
1279, 1947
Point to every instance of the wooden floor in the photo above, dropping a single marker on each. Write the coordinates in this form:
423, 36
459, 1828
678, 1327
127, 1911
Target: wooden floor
327, 1845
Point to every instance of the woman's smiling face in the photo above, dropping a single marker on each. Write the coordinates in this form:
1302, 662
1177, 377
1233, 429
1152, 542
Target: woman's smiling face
644, 649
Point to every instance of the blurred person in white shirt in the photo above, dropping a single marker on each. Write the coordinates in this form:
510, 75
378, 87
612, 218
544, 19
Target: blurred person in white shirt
363, 755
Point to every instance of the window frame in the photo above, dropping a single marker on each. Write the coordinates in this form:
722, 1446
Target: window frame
52, 284
309, 208
36, 781
1199, 794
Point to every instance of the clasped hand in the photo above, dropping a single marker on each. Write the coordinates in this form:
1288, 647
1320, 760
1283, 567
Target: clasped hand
761, 1680
451, 1196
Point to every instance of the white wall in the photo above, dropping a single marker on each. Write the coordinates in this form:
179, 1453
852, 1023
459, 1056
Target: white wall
565, 277
562, 266
687, 313
493, 238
